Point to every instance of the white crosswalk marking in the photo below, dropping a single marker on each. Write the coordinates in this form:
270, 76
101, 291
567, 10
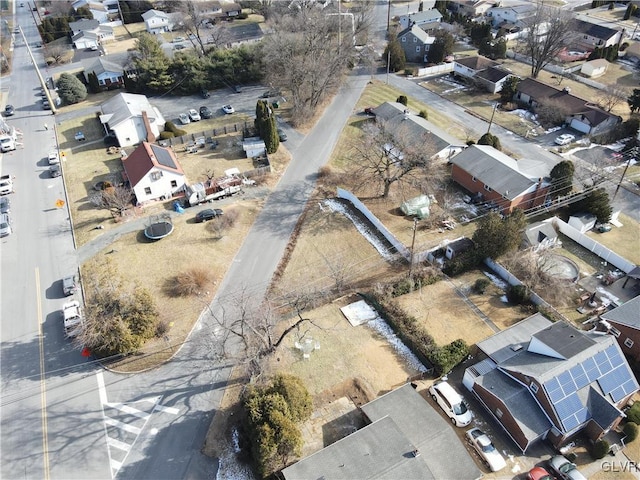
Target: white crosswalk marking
171, 410
118, 444
124, 426
130, 410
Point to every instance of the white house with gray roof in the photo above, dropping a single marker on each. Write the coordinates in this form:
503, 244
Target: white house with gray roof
545, 380
406, 439
414, 131
131, 118
426, 19
157, 21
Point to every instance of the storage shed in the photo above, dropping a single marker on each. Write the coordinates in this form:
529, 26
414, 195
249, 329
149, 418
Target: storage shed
595, 68
582, 222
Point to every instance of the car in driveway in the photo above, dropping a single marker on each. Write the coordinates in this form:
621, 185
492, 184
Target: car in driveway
564, 469
5, 225
564, 139
228, 109
9, 110
482, 444
281, 135
184, 119
5, 205
69, 285
205, 112
208, 214
451, 403
194, 116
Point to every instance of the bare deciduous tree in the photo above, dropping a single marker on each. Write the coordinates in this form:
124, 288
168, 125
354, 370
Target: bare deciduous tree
115, 199
194, 19
57, 53
611, 96
547, 32
551, 113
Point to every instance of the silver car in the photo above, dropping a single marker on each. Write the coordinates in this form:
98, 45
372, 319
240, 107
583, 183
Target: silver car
5, 225
565, 469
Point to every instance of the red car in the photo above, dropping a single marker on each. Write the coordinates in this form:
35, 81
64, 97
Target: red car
539, 473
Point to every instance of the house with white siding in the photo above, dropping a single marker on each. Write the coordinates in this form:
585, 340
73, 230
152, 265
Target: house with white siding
156, 22
131, 119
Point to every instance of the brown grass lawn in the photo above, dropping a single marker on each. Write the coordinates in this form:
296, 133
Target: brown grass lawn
624, 240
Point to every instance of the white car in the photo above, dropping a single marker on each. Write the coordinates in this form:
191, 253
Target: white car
452, 403
54, 158
194, 115
72, 316
5, 225
482, 444
228, 109
184, 119
564, 139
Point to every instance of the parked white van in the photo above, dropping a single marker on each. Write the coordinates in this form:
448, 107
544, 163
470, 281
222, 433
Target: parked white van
452, 403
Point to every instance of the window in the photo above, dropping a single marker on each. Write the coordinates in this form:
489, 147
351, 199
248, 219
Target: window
417, 49
487, 188
415, 39
534, 387
147, 190
174, 184
404, 39
628, 343
156, 176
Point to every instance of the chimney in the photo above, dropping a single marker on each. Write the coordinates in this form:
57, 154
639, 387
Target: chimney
147, 126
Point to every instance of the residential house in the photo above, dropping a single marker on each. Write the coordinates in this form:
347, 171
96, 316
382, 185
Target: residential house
405, 438
483, 71
110, 75
545, 380
541, 235
415, 43
625, 321
412, 130
471, 8
513, 15
581, 115
246, 33
495, 178
230, 10
595, 68
153, 173
98, 10
131, 118
90, 34
156, 22
427, 19
592, 35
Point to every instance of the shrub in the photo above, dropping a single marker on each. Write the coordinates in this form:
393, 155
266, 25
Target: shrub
170, 127
162, 327
600, 449
518, 294
633, 414
190, 282
403, 100
630, 429
481, 285
165, 135
424, 114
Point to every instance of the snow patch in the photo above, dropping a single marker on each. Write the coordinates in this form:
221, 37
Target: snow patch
385, 330
497, 281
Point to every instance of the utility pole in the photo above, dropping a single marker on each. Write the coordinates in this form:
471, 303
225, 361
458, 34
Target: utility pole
632, 155
388, 17
413, 244
495, 105
44, 86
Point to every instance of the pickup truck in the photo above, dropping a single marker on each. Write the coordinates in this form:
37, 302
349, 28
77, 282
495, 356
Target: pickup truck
73, 321
6, 184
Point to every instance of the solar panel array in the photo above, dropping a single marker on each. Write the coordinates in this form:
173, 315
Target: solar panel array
607, 367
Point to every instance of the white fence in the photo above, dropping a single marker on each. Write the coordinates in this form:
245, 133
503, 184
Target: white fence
346, 195
590, 244
511, 279
435, 70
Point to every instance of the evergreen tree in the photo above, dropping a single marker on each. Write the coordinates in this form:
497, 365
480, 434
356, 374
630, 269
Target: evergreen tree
395, 55
267, 126
561, 178
70, 89
509, 89
596, 203
94, 84
634, 100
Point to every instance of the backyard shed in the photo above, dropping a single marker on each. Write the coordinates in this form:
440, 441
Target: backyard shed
254, 147
582, 222
595, 68
418, 206
458, 246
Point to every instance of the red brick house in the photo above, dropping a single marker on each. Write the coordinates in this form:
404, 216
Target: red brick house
625, 321
493, 177
543, 380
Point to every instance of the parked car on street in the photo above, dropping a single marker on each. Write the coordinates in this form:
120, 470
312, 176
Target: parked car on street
205, 112
5, 205
565, 469
208, 214
5, 225
564, 139
539, 473
194, 116
54, 158
452, 403
69, 285
55, 170
184, 119
9, 110
482, 444
228, 109
281, 135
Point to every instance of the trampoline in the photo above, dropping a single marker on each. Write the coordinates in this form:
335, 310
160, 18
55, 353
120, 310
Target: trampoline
158, 228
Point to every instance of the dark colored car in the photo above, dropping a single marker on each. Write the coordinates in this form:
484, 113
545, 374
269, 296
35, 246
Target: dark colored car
208, 214
55, 170
204, 93
281, 135
237, 89
271, 93
9, 110
5, 205
205, 112
69, 285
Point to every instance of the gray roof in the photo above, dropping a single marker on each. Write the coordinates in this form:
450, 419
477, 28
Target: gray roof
124, 106
527, 413
561, 340
425, 16
626, 314
493, 74
494, 169
498, 346
417, 32
154, 13
602, 412
84, 24
432, 139
402, 422
101, 65
538, 232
